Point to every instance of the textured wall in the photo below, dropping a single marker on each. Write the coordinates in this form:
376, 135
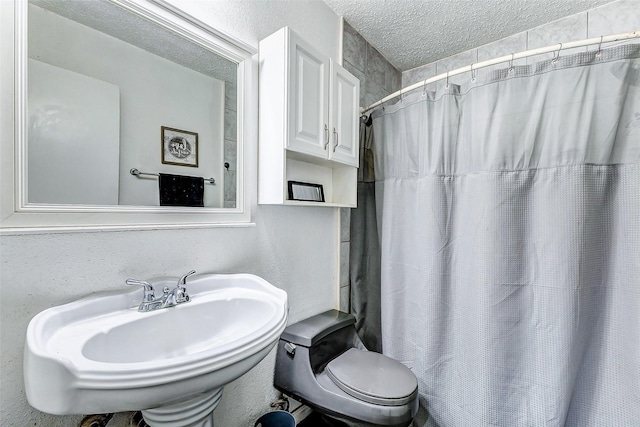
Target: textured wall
40, 271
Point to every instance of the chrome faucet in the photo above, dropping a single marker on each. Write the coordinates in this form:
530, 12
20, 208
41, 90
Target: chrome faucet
177, 295
170, 297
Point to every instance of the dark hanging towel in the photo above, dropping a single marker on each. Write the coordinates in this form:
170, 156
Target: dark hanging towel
364, 259
179, 190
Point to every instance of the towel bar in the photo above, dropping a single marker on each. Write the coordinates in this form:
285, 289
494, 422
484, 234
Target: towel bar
136, 172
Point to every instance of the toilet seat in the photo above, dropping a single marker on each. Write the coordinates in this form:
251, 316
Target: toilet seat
372, 377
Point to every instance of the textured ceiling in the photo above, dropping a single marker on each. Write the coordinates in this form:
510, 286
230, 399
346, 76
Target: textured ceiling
411, 33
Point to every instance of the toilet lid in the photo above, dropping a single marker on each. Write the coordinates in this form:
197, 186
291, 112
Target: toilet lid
373, 378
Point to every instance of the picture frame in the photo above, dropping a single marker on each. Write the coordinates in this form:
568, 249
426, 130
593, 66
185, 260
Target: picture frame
305, 191
179, 147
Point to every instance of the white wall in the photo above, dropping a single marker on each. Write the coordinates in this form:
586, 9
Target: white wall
154, 92
74, 137
295, 248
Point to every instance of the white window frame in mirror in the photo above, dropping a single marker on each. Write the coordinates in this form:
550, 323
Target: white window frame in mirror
17, 216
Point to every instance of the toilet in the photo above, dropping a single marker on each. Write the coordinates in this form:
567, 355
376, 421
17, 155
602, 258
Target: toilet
322, 362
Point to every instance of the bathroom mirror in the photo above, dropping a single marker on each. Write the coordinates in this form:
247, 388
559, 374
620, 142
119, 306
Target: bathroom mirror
113, 94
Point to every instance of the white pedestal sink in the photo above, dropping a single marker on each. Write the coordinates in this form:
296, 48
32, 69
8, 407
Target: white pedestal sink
100, 354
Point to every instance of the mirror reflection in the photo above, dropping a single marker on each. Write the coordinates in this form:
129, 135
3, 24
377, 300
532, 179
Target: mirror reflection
110, 92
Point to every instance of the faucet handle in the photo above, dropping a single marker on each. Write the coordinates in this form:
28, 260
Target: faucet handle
183, 280
148, 295
181, 289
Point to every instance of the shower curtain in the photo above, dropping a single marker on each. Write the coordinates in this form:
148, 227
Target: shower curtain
510, 243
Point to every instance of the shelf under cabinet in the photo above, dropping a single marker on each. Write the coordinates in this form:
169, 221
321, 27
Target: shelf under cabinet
339, 182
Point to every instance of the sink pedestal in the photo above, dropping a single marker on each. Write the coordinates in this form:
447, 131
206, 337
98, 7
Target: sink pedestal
195, 412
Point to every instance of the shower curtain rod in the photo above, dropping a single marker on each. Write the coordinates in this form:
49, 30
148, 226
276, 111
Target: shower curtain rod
508, 58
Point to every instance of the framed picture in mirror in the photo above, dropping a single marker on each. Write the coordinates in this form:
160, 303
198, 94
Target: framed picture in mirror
179, 147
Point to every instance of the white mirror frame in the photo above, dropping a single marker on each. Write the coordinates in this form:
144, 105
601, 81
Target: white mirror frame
17, 216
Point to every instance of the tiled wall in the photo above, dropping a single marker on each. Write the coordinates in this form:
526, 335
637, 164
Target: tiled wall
378, 78
617, 17
230, 144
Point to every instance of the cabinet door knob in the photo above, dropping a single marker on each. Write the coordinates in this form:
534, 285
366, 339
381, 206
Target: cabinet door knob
336, 145
326, 136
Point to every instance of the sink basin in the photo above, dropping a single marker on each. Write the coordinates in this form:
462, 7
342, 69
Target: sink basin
100, 354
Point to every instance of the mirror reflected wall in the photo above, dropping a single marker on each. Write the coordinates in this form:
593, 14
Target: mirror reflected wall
108, 92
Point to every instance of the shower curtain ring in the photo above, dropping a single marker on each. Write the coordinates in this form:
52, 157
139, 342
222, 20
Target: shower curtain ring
447, 81
424, 88
599, 52
556, 56
473, 73
511, 64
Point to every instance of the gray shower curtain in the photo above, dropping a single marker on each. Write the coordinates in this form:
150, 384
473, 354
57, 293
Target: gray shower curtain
510, 243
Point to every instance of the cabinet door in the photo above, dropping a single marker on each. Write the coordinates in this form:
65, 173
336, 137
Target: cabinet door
343, 116
308, 103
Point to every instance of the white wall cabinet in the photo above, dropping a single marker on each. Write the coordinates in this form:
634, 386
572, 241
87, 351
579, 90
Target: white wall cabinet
308, 122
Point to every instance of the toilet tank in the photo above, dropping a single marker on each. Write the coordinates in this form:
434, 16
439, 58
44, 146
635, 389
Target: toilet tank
310, 331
